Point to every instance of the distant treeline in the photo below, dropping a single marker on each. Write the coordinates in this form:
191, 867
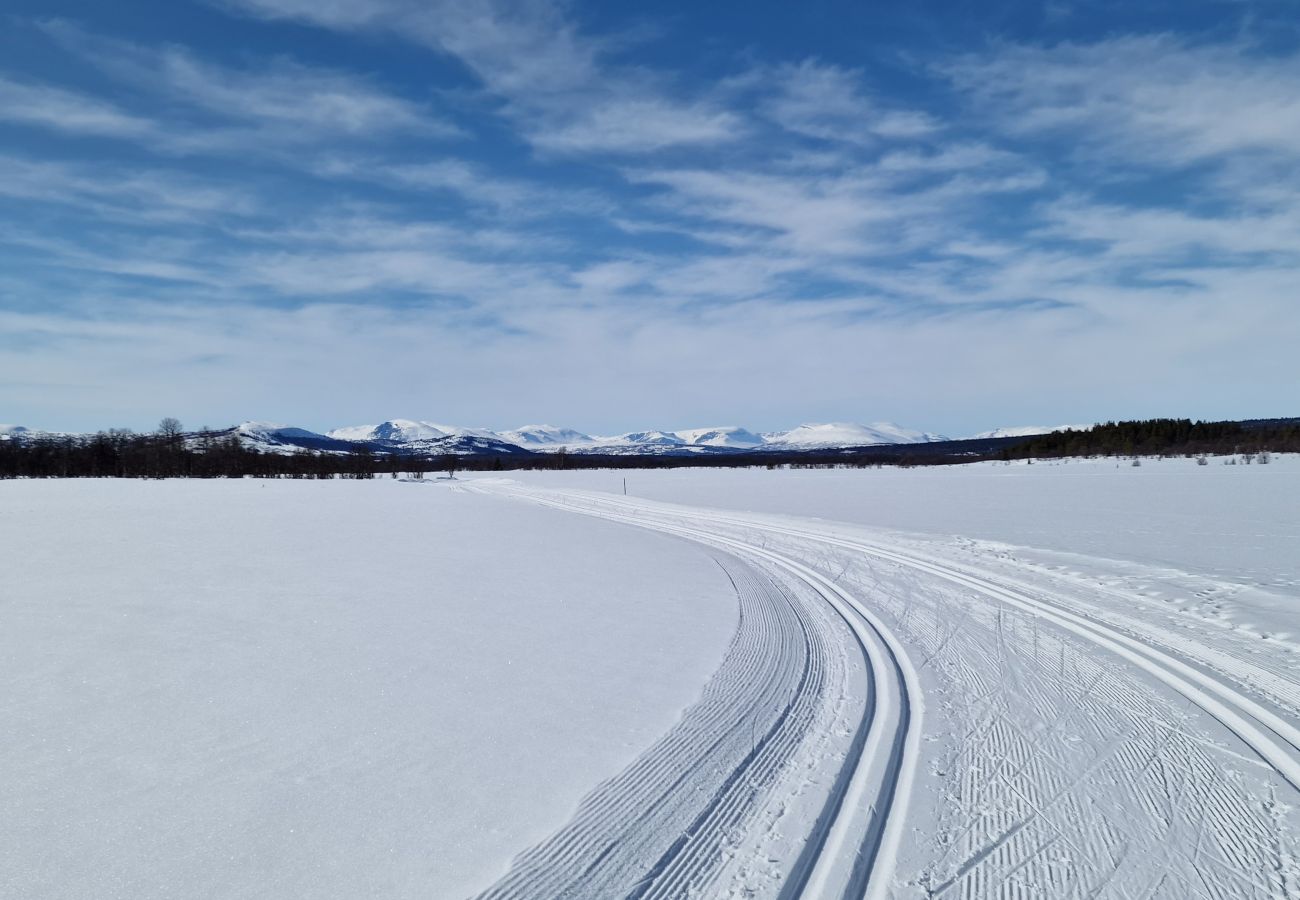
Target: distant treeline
168, 453
1167, 437
171, 453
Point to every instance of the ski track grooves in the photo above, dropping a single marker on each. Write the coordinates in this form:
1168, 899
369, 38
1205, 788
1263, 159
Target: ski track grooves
656, 823
651, 819
1275, 740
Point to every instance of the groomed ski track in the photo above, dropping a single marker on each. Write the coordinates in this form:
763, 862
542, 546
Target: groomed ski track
852, 846
853, 843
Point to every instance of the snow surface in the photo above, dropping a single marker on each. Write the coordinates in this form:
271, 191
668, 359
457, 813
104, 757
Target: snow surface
1078, 678
1240, 522
322, 689
1117, 726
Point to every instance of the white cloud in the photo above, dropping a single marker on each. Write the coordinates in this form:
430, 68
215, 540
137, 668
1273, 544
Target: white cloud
827, 102
68, 111
121, 194
790, 216
1154, 99
559, 88
283, 100
638, 124
480, 188
1175, 235
896, 203
332, 361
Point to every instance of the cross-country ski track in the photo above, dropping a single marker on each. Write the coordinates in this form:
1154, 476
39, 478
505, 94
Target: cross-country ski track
1066, 749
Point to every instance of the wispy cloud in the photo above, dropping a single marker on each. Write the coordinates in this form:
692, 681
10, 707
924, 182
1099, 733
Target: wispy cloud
47, 106
556, 82
828, 102
475, 186
195, 107
120, 194
1153, 99
636, 124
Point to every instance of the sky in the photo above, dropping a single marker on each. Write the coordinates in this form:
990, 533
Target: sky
951, 215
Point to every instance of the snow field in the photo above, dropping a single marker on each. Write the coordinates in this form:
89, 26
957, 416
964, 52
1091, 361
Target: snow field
325, 689
1090, 736
1057, 680
1238, 523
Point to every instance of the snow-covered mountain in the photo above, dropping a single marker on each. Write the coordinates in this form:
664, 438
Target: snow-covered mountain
726, 436
13, 431
417, 436
1026, 431
846, 434
270, 431
539, 437
405, 431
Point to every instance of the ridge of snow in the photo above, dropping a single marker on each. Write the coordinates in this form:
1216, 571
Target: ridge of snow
849, 434
401, 430
404, 431
720, 436
275, 430
534, 436
651, 438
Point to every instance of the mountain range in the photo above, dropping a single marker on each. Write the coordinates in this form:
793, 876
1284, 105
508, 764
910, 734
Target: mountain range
431, 438
408, 435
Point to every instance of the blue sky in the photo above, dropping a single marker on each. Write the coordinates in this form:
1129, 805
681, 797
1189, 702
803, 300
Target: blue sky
951, 215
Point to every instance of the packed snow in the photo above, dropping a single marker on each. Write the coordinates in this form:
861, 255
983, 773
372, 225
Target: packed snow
1078, 678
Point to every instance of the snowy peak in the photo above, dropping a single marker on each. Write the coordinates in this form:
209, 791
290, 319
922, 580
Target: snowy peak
13, 431
650, 439
725, 436
262, 430
535, 436
406, 431
847, 434
395, 430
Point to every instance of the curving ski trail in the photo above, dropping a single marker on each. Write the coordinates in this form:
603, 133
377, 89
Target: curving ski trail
852, 845
1041, 750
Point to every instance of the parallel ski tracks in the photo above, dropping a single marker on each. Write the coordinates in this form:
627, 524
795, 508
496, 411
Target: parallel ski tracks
853, 844
863, 814
1273, 738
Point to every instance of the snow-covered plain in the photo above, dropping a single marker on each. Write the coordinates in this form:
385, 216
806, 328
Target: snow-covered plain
1048, 680
321, 689
1236, 521
1107, 659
